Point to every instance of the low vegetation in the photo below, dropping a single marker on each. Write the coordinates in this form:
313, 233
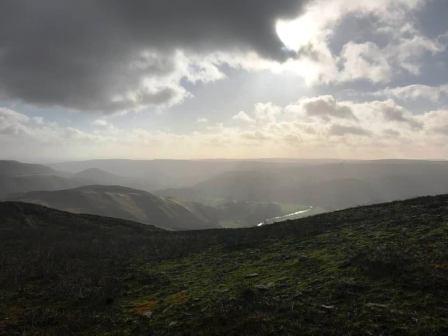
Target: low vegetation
376, 270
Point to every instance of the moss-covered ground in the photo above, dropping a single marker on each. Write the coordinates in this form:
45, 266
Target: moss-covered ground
378, 270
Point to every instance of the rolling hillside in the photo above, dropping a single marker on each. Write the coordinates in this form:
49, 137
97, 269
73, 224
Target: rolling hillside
120, 202
376, 270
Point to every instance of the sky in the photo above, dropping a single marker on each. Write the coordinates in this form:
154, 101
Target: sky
195, 79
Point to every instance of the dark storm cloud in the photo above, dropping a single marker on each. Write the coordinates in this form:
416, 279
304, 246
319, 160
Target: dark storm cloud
77, 53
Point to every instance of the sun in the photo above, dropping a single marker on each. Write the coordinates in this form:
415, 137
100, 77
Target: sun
298, 32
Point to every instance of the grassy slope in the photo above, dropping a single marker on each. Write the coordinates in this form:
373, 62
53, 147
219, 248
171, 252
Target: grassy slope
120, 202
380, 269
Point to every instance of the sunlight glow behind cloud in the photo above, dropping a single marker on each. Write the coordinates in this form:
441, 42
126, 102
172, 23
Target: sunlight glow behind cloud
339, 78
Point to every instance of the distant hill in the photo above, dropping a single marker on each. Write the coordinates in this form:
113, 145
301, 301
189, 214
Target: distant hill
99, 176
18, 177
16, 168
120, 202
10, 185
322, 184
160, 174
103, 177
376, 270
331, 185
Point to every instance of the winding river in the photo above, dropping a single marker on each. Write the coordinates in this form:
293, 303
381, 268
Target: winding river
285, 217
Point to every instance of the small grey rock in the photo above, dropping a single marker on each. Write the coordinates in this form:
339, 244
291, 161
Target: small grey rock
327, 307
147, 314
252, 275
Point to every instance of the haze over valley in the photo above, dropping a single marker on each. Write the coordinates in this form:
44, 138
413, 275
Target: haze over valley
217, 193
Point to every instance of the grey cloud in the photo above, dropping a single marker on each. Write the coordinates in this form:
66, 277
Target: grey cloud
442, 129
255, 136
391, 133
393, 113
293, 139
341, 130
325, 107
12, 123
81, 54
415, 91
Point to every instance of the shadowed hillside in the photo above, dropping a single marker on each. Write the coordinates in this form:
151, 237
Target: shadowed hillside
380, 269
120, 202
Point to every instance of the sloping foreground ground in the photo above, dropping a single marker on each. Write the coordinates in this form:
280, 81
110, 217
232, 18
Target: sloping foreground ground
377, 270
